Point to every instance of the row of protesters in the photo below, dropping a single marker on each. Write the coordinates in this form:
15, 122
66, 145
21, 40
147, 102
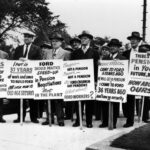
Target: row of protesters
82, 49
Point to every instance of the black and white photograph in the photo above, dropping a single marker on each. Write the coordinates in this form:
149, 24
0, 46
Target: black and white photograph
74, 74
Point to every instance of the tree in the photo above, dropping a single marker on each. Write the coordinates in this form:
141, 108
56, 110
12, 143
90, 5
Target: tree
33, 14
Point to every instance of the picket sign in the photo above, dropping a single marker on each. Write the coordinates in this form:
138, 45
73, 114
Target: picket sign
112, 83
139, 78
78, 79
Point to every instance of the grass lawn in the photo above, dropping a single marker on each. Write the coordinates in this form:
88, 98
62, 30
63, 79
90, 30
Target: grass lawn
138, 139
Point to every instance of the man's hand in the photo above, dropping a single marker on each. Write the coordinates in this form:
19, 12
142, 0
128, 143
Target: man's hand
23, 59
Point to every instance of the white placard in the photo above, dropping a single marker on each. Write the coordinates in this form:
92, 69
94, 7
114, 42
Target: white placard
78, 80
139, 74
19, 80
112, 80
48, 79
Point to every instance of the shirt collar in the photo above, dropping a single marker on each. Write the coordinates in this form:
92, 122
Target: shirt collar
85, 48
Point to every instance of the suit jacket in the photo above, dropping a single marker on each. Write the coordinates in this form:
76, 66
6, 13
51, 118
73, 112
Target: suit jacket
120, 57
3, 55
91, 53
62, 54
34, 52
126, 54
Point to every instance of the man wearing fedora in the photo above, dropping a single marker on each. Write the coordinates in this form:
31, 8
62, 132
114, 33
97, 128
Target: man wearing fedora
128, 107
23, 53
57, 52
75, 43
114, 46
86, 52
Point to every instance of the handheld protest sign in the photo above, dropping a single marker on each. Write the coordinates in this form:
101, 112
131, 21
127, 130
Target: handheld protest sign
112, 80
3, 78
139, 74
110, 117
48, 79
20, 80
78, 79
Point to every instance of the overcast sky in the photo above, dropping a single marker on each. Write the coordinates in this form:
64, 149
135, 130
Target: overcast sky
114, 18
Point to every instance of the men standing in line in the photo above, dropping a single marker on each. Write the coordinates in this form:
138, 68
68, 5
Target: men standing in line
3, 55
23, 53
57, 52
86, 52
114, 45
128, 107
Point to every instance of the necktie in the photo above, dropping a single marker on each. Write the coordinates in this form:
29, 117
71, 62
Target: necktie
26, 50
84, 48
54, 53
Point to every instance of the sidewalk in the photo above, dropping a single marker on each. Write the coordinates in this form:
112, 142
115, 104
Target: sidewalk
32, 136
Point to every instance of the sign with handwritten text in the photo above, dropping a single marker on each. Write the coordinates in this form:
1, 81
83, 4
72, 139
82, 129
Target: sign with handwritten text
112, 80
139, 74
19, 80
48, 79
78, 81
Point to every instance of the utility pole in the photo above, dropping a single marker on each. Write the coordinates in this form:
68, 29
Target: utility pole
144, 19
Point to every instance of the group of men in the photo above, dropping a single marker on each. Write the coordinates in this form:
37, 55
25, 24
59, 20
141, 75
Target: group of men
81, 49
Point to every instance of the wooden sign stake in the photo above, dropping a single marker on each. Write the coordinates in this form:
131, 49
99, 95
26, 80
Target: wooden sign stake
49, 113
110, 121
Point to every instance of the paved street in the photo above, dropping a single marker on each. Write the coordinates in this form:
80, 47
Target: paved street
37, 137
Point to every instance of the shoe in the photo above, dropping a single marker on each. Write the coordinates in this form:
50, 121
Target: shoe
76, 124
103, 125
35, 121
67, 118
16, 121
89, 125
61, 124
145, 121
127, 125
45, 123
2, 120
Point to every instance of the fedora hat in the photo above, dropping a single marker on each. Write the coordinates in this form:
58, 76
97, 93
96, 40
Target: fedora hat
87, 34
56, 36
75, 39
105, 47
114, 42
46, 45
144, 48
29, 33
135, 34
